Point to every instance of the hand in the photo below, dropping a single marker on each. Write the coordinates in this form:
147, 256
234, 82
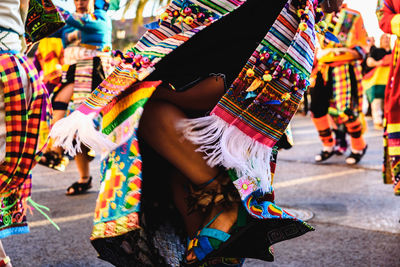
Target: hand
329, 6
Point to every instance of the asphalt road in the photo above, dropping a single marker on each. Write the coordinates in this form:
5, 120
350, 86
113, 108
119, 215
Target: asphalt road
355, 215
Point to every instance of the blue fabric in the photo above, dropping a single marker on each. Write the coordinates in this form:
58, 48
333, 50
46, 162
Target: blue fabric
64, 35
7, 30
216, 234
205, 245
101, 4
200, 254
95, 30
13, 52
17, 230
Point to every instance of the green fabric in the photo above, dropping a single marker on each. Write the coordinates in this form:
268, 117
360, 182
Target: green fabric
376, 91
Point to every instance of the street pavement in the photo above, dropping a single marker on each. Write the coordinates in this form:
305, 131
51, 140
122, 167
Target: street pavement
355, 215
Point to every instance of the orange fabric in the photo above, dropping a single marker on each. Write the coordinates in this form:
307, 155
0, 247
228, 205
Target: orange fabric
355, 36
324, 129
355, 130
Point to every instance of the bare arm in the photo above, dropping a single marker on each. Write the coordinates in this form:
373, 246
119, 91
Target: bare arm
372, 63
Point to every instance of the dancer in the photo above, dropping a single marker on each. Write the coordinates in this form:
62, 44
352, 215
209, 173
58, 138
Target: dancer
376, 78
23, 100
389, 23
88, 62
214, 163
338, 91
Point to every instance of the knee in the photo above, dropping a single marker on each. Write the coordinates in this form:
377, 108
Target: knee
160, 115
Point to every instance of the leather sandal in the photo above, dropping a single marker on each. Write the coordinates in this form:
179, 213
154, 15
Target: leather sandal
218, 191
79, 188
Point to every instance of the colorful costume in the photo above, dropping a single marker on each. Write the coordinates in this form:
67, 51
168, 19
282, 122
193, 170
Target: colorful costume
390, 23
88, 61
49, 58
375, 81
338, 91
241, 131
24, 107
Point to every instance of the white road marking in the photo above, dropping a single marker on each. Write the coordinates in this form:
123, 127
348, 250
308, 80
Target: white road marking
310, 179
317, 141
294, 182
61, 220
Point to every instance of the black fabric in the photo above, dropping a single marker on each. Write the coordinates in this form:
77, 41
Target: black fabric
57, 105
375, 53
222, 48
97, 74
322, 93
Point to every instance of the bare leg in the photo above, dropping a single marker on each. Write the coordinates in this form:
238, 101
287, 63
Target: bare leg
158, 128
193, 221
64, 96
82, 164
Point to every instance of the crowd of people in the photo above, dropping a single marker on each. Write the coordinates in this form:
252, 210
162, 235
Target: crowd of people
196, 103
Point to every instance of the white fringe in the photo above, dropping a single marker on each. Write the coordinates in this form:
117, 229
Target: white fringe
80, 128
226, 145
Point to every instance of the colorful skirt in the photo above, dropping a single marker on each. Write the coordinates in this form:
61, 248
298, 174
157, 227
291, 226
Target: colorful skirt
26, 109
135, 222
86, 69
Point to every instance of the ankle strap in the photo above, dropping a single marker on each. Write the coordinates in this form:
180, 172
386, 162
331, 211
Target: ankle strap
210, 181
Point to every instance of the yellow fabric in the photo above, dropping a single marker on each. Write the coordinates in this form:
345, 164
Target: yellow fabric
394, 151
379, 77
332, 57
356, 36
395, 23
46, 46
393, 127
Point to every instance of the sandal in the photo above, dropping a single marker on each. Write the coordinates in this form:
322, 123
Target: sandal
324, 155
218, 191
79, 188
206, 244
50, 159
249, 237
341, 144
63, 164
355, 158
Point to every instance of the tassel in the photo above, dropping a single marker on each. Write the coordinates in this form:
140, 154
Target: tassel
226, 145
79, 128
256, 83
39, 208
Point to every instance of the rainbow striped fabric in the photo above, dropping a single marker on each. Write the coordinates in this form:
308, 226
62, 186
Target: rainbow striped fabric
118, 202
